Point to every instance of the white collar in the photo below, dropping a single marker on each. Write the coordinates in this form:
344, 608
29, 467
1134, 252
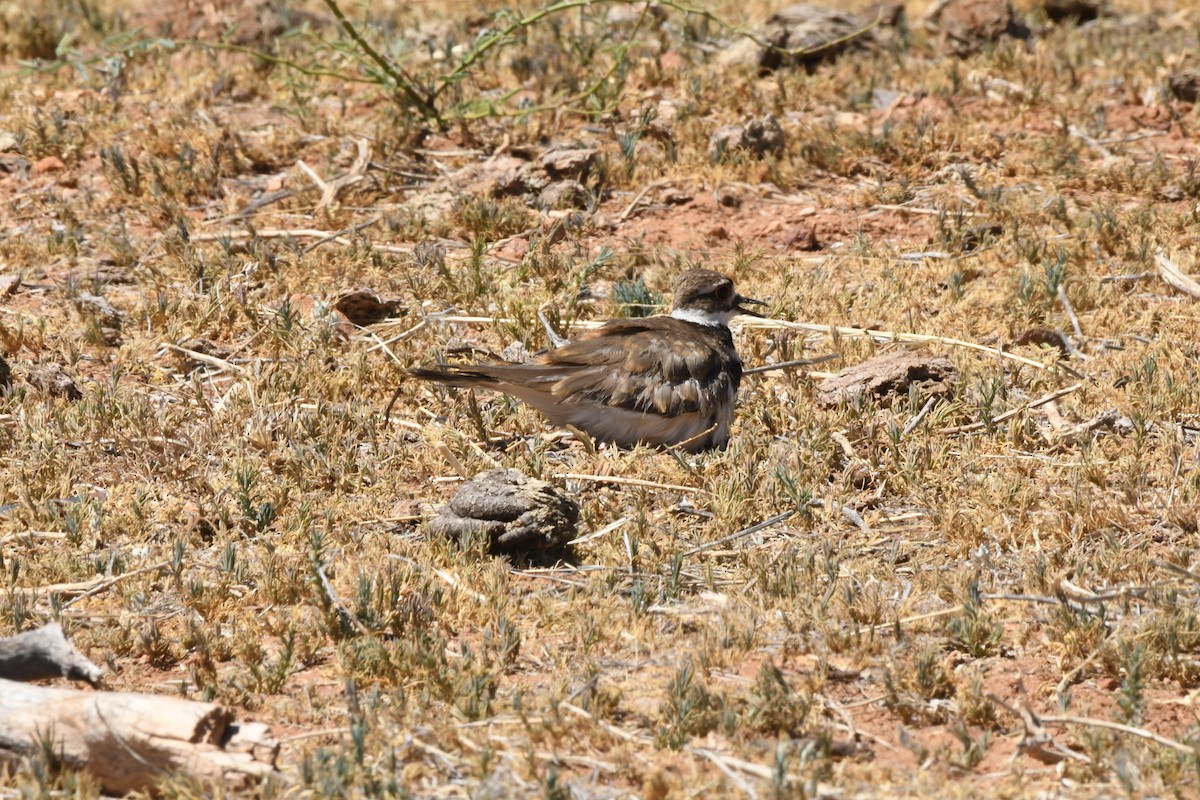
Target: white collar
712, 319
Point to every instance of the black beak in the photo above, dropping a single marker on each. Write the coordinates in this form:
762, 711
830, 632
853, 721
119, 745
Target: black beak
739, 305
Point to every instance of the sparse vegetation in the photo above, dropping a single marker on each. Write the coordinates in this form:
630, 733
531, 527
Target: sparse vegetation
196, 433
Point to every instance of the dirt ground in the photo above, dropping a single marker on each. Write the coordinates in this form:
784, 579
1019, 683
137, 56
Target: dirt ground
987, 586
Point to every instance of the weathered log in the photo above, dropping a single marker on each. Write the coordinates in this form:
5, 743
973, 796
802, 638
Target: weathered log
129, 742
45, 653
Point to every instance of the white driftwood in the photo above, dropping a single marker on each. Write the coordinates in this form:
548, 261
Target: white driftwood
45, 653
129, 742
1177, 278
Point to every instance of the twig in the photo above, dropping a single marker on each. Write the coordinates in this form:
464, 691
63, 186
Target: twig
330, 189
912, 424
387, 412
551, 334
333, 237
1174, 276
887, 337
1035, 740
607, 529
620, 481
1186, 573
1132, 277
887, 626
683, 445
607, 726
297, 737
346, 621
451, 459
856, 518
400, 337
212, 361
108, 584
317, 180
1062, 298
1090, 142
848, 722
767, 523
1141, 733
914, 210
1071, 591
724, 763
884, 337
446, 577
78, 591
624, 215
799, 362
1007, 415
13, 537
295, 233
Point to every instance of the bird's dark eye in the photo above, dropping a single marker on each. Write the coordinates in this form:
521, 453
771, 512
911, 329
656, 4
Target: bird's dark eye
724, 291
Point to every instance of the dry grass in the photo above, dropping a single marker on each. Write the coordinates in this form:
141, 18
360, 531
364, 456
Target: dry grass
927, 575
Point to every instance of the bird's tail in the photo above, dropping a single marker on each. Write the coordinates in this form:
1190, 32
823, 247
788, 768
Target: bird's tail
453, 375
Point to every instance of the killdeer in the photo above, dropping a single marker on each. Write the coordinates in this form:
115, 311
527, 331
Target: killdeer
665, 380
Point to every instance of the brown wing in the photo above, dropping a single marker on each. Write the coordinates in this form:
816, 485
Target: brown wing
657, 365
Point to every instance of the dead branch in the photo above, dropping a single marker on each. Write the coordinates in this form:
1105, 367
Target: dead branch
1173, 275
129, 742
45, 653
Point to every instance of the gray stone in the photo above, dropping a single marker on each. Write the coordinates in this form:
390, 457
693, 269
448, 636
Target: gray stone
516, 513
800, 36
758, 136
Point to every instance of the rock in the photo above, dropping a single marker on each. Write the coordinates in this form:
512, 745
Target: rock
628, 14
803, 238
5, 375
729, 197
1074, 10
53, 380
674, 197
759, 136
564, 195
885, 14
525, 178
725, 139
203, 346
99, 309
1185, 85
663, 117
978, 234
568, 161
799, 35
503, 176
48, 164
9, 284
99, 272
889, 375
364, 307
1044, 337
13, 164
516, 513
969, 25
102, 312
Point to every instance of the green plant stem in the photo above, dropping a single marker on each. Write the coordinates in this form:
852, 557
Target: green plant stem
284, 62
406, 84
622, 49
492, 41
